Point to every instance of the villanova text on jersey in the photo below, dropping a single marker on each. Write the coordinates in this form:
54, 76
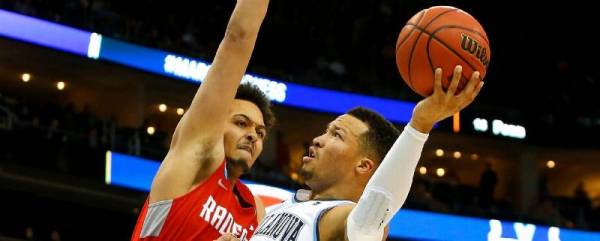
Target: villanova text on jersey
281, 227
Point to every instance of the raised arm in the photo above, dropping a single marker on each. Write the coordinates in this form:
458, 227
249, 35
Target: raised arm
197, 145
388, 188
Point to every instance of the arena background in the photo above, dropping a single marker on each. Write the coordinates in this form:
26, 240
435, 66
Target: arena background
91, 92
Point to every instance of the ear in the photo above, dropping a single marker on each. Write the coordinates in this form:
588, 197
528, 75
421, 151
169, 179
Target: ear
365, 166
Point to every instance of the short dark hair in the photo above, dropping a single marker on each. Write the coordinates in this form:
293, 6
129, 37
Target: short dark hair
380, 137
252, 93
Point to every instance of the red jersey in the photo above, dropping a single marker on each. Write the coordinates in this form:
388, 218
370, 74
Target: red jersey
205, 213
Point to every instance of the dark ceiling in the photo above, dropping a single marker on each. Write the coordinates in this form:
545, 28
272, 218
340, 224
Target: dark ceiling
544, 71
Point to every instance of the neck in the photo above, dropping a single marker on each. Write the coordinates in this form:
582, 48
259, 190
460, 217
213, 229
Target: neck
347, 191
233, 175
232, 179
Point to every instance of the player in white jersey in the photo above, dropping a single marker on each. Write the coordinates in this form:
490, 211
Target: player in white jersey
360, 172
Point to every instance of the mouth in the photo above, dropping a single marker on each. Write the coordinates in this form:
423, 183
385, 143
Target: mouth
312, 154
247, 148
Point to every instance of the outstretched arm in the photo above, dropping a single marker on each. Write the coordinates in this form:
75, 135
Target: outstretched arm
388, 188
197, 145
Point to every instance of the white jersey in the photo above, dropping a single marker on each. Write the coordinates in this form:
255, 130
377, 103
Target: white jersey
294, 220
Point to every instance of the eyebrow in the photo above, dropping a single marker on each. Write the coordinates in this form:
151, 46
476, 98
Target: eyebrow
245, 117
336, 127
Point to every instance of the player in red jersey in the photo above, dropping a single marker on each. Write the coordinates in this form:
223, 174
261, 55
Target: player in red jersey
196, 194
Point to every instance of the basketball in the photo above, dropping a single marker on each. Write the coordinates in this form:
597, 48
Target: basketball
441, 36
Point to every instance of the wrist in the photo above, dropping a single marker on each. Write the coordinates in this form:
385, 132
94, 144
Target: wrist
421, 124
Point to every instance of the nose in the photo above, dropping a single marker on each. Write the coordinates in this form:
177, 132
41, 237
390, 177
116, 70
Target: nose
252, 136
318, 141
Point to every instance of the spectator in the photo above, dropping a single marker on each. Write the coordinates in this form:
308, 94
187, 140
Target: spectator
543, 188
55, 235
29, 234
581, 196
487, 186
582, 204
546, 212
423, 199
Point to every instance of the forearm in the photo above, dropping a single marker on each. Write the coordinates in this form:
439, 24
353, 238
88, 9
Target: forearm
388, 187
197, 148
204, 122
246, 18
395, 173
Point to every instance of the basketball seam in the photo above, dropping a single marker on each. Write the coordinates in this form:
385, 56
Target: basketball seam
411, 31
412, 50
432, 36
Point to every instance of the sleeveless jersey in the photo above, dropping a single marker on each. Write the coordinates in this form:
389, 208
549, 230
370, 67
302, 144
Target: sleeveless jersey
205, 213
294, 220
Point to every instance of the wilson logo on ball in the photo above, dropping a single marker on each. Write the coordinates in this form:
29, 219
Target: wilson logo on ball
470, 45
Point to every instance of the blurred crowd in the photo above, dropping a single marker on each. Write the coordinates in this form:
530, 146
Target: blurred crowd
60, 139
48, 219
574, 211
337, 49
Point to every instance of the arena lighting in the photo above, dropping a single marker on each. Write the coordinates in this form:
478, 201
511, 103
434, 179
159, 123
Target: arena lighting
44, 33
500, 128
480, 124
294, 176
407, 224
509, 130
551, 164
439, 152
162, 107
440, 172
474, 157
456, 122
137, 173
457, 154
108, 167
180, 111
422, 170
60, 85
26, 77
150, 130
287, 94
96, 46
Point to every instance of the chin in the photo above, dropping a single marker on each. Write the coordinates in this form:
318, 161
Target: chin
240, 165
306, 174
239, 155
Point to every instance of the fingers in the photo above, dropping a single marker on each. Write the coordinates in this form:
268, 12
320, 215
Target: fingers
478, 89
455, 80
473, 82
437, 86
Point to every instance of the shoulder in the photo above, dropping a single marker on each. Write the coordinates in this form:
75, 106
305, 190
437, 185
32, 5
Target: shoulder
260, 208
332, 224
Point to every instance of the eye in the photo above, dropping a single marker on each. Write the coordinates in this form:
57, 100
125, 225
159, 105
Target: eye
261, 134
241, 124
336, 134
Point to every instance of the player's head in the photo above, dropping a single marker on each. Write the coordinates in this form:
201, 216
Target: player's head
250, 118
350, 150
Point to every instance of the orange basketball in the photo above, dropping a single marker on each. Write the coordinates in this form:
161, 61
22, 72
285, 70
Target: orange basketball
444, 37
